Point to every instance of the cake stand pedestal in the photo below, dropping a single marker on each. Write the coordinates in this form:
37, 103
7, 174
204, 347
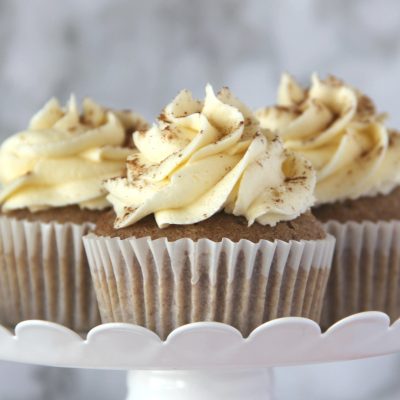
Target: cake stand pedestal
233, 384
204, 360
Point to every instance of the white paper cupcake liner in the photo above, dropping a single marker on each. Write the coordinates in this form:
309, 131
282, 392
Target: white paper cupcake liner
365, 272
162, 285
44, 274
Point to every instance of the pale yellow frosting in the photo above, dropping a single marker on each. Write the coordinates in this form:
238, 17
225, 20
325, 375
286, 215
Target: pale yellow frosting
337, 128
204, 157
63, 157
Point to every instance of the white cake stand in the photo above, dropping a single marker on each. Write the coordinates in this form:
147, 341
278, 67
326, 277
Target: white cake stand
203, 360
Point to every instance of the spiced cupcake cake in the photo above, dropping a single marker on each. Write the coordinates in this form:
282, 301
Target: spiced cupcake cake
357, 160
51, 196
211, 223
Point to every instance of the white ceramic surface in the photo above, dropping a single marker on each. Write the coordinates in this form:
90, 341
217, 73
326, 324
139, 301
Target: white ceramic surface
237, 384
286, 341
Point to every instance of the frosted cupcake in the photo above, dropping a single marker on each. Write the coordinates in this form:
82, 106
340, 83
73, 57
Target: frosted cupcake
357, 160
211, 223
51, 196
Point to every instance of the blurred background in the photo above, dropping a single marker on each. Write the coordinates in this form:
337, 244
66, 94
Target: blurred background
139, 53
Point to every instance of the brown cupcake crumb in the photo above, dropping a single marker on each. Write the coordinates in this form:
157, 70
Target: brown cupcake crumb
376, 208
219, 226
59, 214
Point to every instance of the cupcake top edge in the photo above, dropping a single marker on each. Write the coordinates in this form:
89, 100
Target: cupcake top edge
202, 157
337, 128
64, 155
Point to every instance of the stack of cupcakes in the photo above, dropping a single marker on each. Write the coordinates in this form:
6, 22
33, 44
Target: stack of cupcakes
357, 160
205, 216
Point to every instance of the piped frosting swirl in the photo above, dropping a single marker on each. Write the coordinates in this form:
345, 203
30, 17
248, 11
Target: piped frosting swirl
205, 157
338, 129
64, 155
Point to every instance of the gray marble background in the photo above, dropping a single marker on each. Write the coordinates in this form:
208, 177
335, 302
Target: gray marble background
139, 54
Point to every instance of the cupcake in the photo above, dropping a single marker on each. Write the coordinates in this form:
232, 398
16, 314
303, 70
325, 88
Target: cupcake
51, 196
210, 223
357, 160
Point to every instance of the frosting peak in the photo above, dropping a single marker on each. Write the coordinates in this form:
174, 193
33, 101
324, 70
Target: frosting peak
204, 157
338, 129
63, 156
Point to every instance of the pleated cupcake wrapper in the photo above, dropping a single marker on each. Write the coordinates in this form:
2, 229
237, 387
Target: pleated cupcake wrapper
365, 272
162, 285
44, 274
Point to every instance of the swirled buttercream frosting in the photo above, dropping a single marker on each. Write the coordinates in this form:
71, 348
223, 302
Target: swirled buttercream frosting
337, 128
64, 155
202, 157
